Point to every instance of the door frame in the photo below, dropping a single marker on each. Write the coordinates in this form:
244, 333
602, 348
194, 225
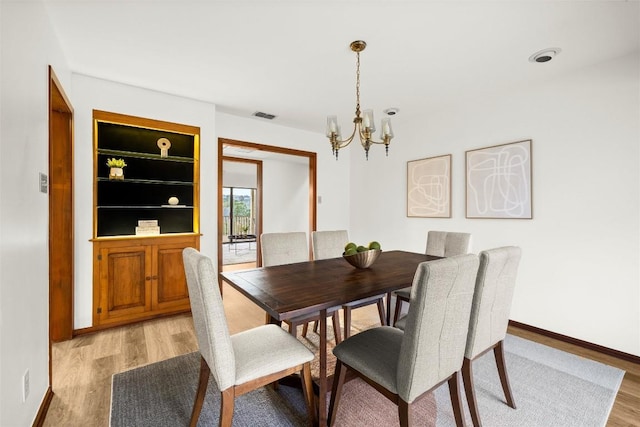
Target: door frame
61, 227
312, 161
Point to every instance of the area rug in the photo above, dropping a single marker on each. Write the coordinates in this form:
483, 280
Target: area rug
551, 388
238, 253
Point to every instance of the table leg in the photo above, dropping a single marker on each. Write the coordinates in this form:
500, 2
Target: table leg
322, 394
389, 308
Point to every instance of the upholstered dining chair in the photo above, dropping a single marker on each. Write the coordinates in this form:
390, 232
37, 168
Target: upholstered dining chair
289, 248
490, 317
405, 366
439, 243
330, 244
242, 362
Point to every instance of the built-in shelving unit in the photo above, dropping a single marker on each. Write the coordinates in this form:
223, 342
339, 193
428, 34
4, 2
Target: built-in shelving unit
138, 274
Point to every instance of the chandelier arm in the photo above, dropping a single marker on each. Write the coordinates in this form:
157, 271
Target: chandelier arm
363, 138
343, 143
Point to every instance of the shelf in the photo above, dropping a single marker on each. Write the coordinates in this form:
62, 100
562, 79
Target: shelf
148, 156
143, 181
147, 207
150, 180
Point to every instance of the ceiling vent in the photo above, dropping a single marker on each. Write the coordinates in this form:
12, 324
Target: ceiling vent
264, 115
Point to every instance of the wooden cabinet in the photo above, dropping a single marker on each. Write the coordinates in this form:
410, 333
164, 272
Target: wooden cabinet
143, 217
139, 278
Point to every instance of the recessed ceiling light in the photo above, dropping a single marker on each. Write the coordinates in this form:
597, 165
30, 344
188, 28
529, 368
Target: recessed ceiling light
391, 111
545, 55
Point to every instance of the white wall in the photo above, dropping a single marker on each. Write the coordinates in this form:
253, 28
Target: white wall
29, 46
90, 93
285, 191
579, 274
285, 197
239, 174
332, 176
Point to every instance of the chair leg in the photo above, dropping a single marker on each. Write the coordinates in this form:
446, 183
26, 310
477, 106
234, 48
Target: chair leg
498, 352
404, 413
293, 329
305, 329
316, 325
335, 317
309, 395
226, 407
396, 312
456, 399
347, 321
336, 391
469, 389
381, 313
203, 380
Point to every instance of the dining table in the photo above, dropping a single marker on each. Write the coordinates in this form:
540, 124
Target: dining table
306, 288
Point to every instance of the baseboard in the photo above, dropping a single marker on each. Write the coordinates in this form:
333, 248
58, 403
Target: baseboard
44, 408
98, 328
584, 344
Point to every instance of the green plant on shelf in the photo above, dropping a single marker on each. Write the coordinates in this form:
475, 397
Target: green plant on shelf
116, 163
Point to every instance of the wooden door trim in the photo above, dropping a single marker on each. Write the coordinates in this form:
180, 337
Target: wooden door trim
60, 149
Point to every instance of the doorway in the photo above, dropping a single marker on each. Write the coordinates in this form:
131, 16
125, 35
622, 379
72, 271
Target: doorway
60, 212
241, 212
258, 154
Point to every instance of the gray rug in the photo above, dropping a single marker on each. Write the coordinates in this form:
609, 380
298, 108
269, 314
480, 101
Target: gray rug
551, 388
238, 253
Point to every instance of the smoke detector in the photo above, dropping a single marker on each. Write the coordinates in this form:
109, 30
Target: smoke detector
545, 55
391, 111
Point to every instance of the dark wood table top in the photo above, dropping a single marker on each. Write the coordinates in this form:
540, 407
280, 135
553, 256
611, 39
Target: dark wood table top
292, 290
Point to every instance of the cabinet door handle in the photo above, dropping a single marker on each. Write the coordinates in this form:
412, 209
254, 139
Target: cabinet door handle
155, 277
147, 278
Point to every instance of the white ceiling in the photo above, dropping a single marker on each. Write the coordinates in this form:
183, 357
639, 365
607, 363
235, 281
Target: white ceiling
291, 58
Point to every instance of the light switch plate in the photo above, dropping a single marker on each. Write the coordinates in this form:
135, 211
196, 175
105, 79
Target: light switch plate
44, 183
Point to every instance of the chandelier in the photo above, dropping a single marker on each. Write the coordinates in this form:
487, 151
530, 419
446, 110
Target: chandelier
362, 125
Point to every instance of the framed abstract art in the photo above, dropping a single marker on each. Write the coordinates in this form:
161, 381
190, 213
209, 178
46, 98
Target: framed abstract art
499, 181
429, 187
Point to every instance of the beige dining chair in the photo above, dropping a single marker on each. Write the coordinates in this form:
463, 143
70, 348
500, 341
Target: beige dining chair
439, 243
289, 248
330, 244
489, 318
242, 362
406, 366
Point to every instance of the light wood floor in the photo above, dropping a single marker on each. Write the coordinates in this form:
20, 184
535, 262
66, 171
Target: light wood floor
82, 367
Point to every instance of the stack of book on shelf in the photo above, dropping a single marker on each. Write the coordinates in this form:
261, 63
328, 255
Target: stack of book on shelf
147, 227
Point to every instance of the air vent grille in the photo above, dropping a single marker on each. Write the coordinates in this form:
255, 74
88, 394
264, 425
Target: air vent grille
264, 115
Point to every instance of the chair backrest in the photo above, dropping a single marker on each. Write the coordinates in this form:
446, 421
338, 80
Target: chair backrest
437, 323
284, 248
492, 298
447, 243
209, 319
328, 244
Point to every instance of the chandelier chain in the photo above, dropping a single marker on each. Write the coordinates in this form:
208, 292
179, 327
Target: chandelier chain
358, 84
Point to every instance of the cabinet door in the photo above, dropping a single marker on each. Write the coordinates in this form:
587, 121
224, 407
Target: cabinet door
169, 283
125, 283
